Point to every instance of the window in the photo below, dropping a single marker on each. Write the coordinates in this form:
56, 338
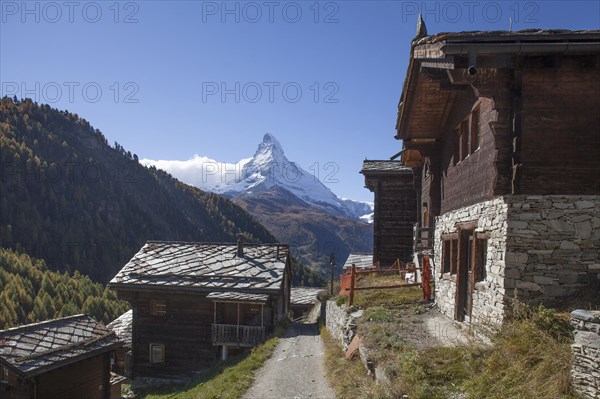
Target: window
453, 256
446, 256
450, 253
474, 131
480, 254
464, 140
467, 137
3, 374
157, 353
158, 308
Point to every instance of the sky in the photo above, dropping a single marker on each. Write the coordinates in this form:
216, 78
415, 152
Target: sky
172, 79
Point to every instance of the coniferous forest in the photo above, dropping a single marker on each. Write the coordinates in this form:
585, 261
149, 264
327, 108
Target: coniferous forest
29, 293
74, 210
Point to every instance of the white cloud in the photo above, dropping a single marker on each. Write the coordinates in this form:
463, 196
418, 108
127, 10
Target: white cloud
202, 172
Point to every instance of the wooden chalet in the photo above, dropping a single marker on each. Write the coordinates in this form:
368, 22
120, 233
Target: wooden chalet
395, 210
362, 261
303, 299
502, 130
193, 303
61, 358
122, 327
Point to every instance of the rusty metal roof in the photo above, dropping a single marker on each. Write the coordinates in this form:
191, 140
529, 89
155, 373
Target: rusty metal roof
385, 166
360, 260
305, 295
122, 327
237, 297
204, 267
36, 348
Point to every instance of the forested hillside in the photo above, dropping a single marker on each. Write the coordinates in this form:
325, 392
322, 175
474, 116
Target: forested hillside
71, 199
29, 292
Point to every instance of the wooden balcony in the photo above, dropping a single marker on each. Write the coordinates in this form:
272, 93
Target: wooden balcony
237, 335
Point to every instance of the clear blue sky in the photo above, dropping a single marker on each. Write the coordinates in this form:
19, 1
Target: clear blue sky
172, 58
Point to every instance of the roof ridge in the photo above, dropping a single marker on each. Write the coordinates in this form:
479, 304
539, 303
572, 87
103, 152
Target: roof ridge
272, 244
45, 322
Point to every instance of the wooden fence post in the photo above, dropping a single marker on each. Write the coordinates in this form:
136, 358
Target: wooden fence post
352, 284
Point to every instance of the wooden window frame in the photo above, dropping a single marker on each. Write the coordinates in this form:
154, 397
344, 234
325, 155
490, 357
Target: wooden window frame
464, 139
474, 137
158, 307
479, 258
161, 348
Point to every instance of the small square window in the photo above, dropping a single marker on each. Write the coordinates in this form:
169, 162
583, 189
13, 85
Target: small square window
158, 308
157, 353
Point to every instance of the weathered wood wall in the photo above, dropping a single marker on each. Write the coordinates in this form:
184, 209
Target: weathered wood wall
395, 216
560, 149
185, 331
89, 378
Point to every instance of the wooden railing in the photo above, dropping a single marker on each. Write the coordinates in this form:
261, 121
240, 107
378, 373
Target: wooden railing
348, 281
237, 335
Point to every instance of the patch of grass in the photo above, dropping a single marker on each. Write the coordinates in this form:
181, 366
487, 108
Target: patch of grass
342, 299
348, 378
389, 297
229, 380
531, 358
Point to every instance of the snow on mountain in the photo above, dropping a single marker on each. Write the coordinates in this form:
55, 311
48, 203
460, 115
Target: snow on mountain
267, 168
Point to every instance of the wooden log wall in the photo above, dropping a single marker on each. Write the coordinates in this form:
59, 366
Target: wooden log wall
185, 330
395, 216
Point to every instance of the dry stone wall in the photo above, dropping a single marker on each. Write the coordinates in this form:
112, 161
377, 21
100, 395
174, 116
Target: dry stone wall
547, 248
585, 373
553, 246
488, 297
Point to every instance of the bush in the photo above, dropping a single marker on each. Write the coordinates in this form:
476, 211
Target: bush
342, 299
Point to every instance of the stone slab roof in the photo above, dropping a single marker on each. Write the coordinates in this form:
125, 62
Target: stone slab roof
36, 348
384, 166
122, 327
237, 297
510, 36
305, 295
360, 260
205, 267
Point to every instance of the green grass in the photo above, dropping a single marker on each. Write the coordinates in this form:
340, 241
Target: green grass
229, 380
529, 356
348, 378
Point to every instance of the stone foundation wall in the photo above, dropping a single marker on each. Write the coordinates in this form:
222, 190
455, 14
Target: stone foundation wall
546, 247
553, 246
488, 297
341, 324
585, 373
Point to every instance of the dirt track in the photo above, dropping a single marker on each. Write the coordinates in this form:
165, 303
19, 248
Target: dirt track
295, 371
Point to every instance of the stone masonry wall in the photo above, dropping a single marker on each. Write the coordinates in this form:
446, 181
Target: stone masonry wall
585, 373
553, 246
341, 324
488, 297
546, 247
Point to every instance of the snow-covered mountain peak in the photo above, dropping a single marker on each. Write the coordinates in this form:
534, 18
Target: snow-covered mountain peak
268, 167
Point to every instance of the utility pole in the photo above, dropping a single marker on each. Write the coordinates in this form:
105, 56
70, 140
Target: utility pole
331, 266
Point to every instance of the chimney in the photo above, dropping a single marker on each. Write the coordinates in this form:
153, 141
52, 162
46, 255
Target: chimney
240, 245
277, 253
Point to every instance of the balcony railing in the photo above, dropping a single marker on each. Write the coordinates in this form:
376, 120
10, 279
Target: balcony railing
237, 335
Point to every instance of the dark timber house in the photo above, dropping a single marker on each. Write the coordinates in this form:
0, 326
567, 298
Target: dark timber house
395, 210
61, 358
193, 303
502, 130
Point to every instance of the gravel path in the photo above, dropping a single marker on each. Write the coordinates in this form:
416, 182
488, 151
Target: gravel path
295, 371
